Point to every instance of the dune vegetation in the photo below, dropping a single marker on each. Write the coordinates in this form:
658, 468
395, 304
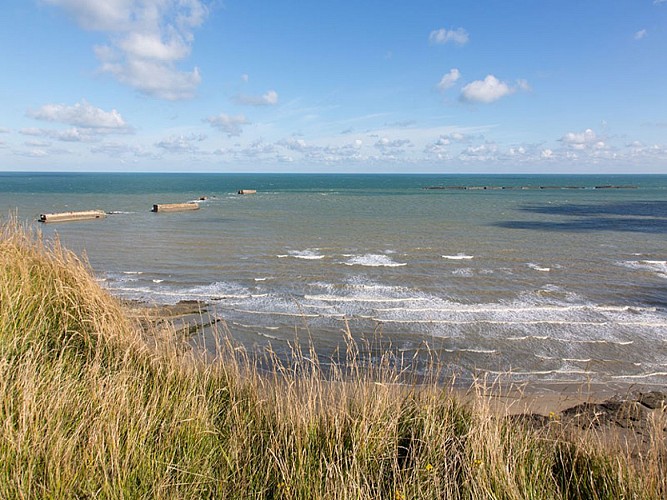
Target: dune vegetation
95, 405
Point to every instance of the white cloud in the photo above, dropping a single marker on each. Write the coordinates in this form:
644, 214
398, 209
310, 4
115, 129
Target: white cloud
641, 34
108, 15
440, 147
580, 140
482, 152
294, 144
270, 98
488, 90
459, 36
150, 46
230, 125
82, 114
391, 146
449, 79
147, 38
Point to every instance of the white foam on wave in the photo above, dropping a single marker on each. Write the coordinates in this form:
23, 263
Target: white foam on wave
529, 337
464, 272
658, 267
364, 298
641, 375
458, 256
305, 254
474, 351
374, 260
538, 268
295, 314
572, 341
172, 294
266, 335
560, 371
495, 308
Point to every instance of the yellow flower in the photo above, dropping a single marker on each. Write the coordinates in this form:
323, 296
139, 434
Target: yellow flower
429, 467
398, 495
477, 462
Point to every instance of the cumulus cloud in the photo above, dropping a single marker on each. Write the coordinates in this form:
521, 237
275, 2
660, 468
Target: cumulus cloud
147, 39
641, 34
447, 139
483, 152
230, 125
82, 114
490, 89
441, 36
270, 98
581, 140
449, 79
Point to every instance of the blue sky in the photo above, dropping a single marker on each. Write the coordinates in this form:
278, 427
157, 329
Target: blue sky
347, 86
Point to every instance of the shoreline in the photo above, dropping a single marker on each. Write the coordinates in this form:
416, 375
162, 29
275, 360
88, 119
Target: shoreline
191, 318
619, 416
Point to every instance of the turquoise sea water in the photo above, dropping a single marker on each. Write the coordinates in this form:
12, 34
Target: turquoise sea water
548, 284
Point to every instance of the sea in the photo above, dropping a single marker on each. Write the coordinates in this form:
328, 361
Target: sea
534, 278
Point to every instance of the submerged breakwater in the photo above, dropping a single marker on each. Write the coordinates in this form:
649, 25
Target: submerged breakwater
546, 284
511, 188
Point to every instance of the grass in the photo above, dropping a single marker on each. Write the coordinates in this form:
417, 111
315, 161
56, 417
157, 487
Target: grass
94, 406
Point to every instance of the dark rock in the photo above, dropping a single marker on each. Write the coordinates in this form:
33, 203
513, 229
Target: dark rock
653, 399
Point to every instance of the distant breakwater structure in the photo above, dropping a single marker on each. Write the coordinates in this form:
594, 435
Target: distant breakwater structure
519, 188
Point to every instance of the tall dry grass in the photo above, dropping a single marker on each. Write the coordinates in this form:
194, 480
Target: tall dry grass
93, 406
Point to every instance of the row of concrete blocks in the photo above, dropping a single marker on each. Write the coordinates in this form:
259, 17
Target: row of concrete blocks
99, 214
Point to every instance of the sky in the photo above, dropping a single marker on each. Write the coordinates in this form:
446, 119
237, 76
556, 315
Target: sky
386, 86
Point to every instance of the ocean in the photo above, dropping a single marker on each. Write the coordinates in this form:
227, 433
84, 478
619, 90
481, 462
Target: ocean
553, 278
